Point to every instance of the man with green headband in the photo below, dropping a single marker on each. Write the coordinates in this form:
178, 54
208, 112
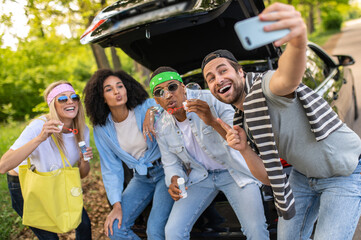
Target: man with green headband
193, 148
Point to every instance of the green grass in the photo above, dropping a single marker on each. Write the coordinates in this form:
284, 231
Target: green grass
321, 38
10, 222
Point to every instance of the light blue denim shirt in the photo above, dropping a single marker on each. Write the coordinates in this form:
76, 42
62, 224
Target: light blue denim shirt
177, 161
112, 155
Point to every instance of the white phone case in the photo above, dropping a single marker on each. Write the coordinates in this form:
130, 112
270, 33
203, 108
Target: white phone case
251, 34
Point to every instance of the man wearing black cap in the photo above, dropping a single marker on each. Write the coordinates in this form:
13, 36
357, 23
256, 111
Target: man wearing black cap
284, 118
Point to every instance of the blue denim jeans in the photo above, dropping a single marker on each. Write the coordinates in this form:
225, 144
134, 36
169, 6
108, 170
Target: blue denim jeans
246, 203
82, 232
137, 195
334, 202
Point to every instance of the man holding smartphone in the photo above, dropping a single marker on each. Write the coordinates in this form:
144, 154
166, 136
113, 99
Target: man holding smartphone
284, 118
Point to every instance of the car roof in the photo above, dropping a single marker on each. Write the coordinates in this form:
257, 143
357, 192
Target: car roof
182, 40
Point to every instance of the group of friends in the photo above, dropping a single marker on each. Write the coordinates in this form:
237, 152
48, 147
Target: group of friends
230, 139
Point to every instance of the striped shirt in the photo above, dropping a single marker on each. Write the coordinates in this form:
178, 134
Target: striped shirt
322, 119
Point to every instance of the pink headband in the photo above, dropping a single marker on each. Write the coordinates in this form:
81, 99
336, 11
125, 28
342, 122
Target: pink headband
57, 90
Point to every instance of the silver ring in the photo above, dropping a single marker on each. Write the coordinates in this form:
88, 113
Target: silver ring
146, 132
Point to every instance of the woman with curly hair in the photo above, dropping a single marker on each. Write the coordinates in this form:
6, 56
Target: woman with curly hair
116, 105
66, 110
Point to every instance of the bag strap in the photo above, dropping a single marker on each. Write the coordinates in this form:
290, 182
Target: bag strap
29, 163
62, 155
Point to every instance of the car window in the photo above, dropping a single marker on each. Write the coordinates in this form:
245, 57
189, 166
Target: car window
316, 70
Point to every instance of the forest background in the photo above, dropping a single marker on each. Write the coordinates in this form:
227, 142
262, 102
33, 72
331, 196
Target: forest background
45, 54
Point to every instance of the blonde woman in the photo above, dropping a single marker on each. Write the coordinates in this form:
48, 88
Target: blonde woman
65, 113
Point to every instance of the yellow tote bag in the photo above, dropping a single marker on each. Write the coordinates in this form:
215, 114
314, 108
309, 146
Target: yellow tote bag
53, 201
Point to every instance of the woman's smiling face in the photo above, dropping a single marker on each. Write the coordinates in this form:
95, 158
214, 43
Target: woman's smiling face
69, 108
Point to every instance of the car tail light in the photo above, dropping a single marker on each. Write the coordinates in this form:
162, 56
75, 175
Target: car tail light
92, 27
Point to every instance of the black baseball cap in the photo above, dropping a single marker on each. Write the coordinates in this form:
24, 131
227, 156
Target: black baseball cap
221, 53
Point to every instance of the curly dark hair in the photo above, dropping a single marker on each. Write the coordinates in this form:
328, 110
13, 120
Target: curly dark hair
96, 108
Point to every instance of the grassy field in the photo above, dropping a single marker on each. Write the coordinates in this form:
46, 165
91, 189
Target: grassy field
321, 37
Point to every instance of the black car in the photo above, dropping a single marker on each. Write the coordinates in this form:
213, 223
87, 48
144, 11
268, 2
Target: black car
180, 33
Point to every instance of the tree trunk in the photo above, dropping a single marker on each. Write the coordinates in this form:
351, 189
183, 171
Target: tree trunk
117, 66
144, 72
318, 15
99, 52
310, 20
100, 57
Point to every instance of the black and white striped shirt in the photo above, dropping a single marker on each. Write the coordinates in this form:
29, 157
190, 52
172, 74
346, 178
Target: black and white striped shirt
322, 119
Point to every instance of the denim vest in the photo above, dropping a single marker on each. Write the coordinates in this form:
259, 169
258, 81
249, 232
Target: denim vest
177, 161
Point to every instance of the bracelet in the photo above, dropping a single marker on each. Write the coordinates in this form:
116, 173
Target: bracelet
153, 109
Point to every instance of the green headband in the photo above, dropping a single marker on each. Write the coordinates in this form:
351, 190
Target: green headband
163, 77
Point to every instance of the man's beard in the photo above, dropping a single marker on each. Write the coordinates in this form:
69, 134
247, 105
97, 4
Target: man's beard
237, 95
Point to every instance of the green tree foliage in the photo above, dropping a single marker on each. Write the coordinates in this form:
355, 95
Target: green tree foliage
355, 11
316, 12
47, 55
35, 64
333, 20
27, 71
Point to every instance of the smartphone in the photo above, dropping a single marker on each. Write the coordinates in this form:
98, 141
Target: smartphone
251, 34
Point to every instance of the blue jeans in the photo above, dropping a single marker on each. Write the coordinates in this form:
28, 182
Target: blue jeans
82, 232
246, 203
335, 202
137, 195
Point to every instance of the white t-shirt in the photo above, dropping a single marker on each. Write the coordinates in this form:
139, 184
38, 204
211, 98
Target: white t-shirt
129, 137
194, 149
46, 156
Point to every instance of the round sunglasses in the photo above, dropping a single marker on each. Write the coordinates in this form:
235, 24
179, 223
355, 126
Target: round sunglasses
74, 97
160, 92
